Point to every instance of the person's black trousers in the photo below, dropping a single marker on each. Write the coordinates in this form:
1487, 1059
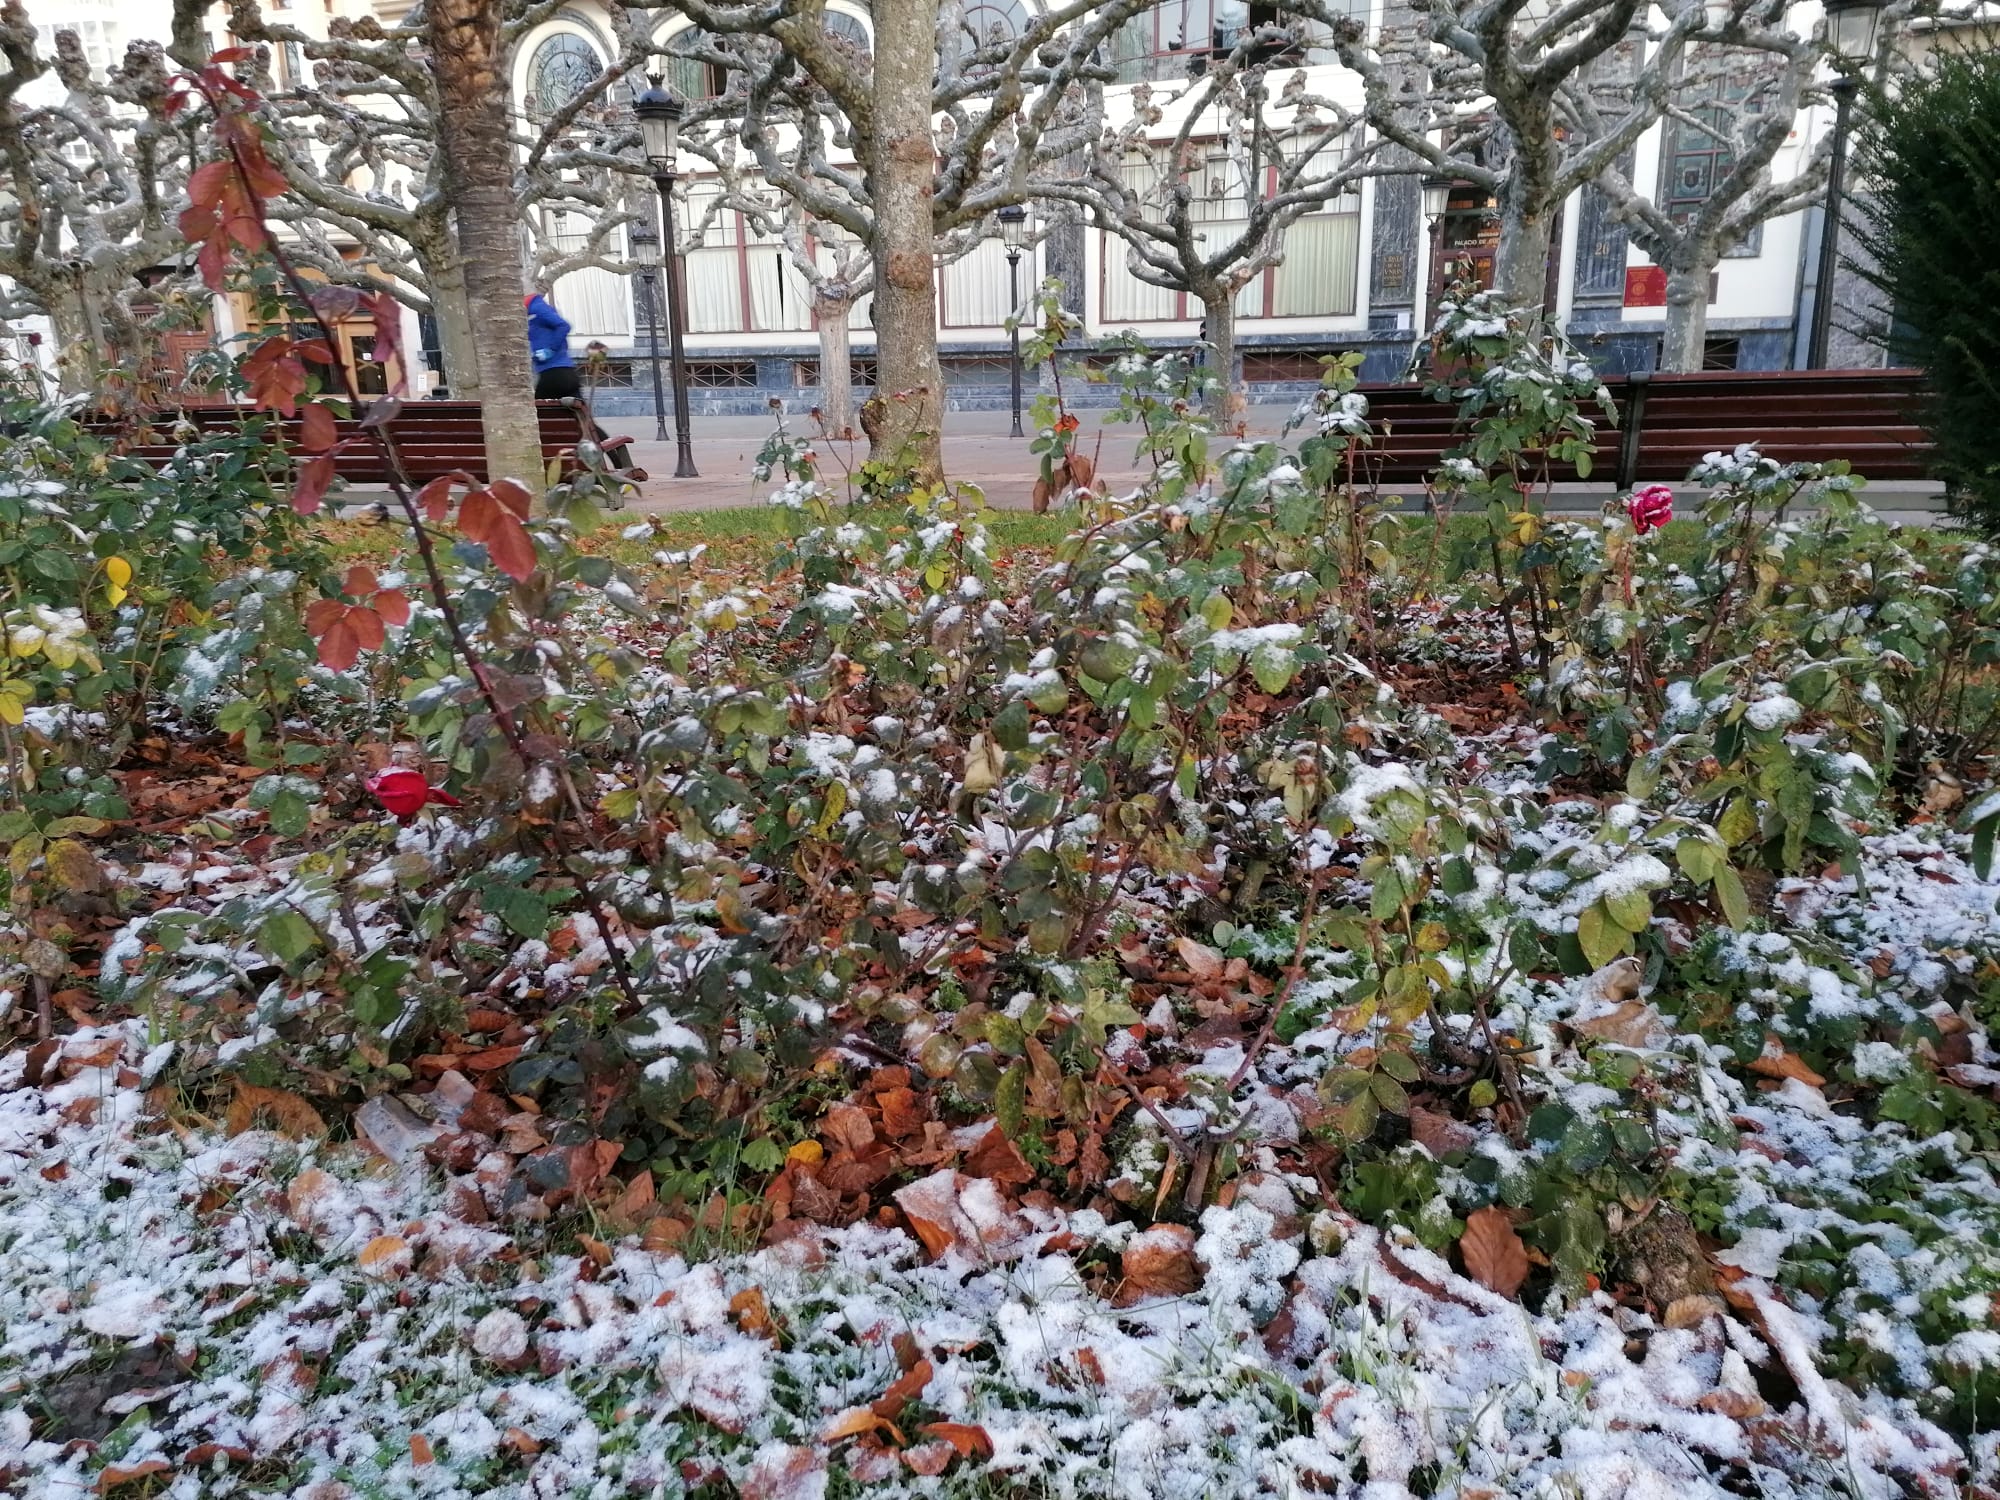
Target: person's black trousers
565, 384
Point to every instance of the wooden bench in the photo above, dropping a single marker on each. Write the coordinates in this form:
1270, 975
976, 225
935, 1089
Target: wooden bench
434, 438
1671, 422
1667, 424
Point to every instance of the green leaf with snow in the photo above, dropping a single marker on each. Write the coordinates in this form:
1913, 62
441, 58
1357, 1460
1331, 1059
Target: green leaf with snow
1600, 935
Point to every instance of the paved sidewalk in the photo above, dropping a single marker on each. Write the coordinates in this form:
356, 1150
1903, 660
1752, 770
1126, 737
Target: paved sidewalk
977, 449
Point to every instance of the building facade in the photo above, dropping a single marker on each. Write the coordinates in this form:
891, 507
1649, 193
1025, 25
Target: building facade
1361, 274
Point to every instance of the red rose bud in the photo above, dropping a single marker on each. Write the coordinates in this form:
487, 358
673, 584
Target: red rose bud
405, 793
1650, 507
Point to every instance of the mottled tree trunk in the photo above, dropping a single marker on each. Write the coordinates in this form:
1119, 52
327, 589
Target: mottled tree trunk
836, 363
469, 62
1686, 339
444, 280
1521, 263
908, 379
1219, 328
77, 353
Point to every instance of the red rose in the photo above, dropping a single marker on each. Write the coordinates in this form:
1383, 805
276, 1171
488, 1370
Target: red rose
405, 792
1650, 507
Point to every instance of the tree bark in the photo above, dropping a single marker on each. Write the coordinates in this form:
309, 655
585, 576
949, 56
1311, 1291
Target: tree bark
1521, 264
455, 340
1219, 327
1686, 341
76, 348
909, 381
469, 62
836, 363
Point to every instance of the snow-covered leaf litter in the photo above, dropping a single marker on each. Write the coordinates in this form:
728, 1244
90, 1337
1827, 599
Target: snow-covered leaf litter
1318, 1355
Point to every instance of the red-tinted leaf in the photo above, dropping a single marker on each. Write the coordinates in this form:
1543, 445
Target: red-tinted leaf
208, 183
315, 476
388, 316
321, 615
367, 627
511, 548
514, 495
477, 513
315, 350
340, 646
434, 499
393, 605
360, 581
275, 375
316, 428
228, 55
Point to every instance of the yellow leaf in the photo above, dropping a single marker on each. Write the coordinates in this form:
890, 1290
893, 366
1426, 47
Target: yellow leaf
12, 709
118, 571
807, 1153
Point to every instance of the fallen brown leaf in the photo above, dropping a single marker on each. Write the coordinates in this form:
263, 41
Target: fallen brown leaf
115, 1475
907, 1387
1160, 1262
1775, 1062
287, 1113
968, 1438
1493, 1252
753, 1314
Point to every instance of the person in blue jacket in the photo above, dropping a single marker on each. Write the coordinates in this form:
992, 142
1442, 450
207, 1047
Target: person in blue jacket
548, 342
556, 377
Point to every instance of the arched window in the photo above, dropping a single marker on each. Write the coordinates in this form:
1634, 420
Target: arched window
990, 21
846, 28
562, 67
687, 74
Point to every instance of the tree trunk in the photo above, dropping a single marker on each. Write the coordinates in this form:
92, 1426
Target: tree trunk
836, 363
76, 349
1521, 264
469, 62
1225, 399
909, 383
453, 313
1687, 321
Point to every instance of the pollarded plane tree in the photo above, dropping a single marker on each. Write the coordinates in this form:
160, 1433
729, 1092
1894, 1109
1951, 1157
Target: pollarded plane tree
95, 178
356, 131
1204, 182
765, 148
938, 128
1729, 98
1504, 75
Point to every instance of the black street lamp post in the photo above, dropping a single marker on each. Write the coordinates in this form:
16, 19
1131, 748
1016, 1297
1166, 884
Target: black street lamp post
646, 251
1436, 189
1850, 34
659, 115
1014, 229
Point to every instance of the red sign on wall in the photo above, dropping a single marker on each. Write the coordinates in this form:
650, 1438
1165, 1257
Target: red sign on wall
1645, 286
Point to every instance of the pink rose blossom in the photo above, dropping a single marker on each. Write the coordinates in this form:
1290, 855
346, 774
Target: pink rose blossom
1650, 507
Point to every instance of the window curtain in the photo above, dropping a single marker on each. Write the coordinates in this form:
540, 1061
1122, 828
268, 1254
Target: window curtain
975, 286
596, 302
1127, 299
714, 291
1321, 266
780, 301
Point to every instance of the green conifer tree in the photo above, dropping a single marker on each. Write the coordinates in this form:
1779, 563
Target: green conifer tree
1930, 224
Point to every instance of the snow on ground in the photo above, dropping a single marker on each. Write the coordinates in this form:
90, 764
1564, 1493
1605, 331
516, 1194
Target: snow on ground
322, 1326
